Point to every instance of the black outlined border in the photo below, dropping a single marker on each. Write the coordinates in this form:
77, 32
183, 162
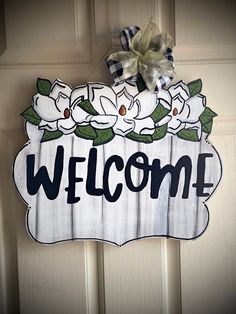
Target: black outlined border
131, 240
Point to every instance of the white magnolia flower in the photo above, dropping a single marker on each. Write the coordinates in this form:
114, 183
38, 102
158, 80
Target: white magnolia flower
55, 109
117, 108
184, 110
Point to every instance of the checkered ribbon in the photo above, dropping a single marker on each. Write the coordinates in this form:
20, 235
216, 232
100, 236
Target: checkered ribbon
116, 67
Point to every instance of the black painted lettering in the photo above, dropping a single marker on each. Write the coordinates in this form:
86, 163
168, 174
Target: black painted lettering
51, 188
119, 163
158, 174
71, 198
144, 166
200, 185
91, 176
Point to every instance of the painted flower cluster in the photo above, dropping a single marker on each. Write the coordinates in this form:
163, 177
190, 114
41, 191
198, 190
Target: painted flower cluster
97, 112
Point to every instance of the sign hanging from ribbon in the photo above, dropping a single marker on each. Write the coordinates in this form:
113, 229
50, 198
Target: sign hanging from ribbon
119, 163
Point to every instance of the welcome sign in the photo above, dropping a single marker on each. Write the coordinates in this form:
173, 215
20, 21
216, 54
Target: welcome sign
117, 163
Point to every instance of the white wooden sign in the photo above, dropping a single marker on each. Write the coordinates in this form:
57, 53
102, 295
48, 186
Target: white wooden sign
117, 164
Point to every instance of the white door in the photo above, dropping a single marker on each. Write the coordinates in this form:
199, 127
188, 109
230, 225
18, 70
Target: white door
69, 39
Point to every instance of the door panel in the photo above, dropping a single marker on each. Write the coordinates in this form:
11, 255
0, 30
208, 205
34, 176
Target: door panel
205, 48
69, 40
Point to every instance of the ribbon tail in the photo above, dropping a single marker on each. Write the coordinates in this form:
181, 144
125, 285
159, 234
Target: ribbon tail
153, 66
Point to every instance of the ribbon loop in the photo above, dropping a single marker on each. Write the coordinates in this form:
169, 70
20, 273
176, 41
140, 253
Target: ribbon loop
126, 36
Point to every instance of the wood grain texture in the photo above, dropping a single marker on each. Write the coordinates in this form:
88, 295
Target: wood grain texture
135, 215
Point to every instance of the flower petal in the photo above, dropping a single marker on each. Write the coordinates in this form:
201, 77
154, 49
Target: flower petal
62, 102
175, 131
196, 106
144, 126
60, 87
103, 121
79, 94
131, 87
147, 103
178, 103
50, 126
180, 89
66, 126
79, 115
95, 91
174, 123
163, 97
133, 112
163, 121
92, 92
46, 108
124, 99
108, 106
182, 113
123, 126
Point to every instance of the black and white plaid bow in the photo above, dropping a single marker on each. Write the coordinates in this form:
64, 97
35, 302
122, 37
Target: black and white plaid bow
116, 67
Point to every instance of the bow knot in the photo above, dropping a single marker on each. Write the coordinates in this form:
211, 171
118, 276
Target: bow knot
147, 53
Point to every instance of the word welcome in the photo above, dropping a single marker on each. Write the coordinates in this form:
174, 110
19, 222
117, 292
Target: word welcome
150, 171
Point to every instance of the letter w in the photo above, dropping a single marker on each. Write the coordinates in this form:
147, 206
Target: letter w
51, 188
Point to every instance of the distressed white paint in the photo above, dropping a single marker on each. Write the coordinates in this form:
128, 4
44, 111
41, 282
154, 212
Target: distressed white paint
133, 215
207, 283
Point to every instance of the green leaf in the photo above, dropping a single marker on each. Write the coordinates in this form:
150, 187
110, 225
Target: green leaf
43, 86
31, 115
159, 132
207, 127
159, 113
87, 106
195, 87
49, 136
207, 116
141, 84
86, 132
139, 137
189, 135
103, 136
